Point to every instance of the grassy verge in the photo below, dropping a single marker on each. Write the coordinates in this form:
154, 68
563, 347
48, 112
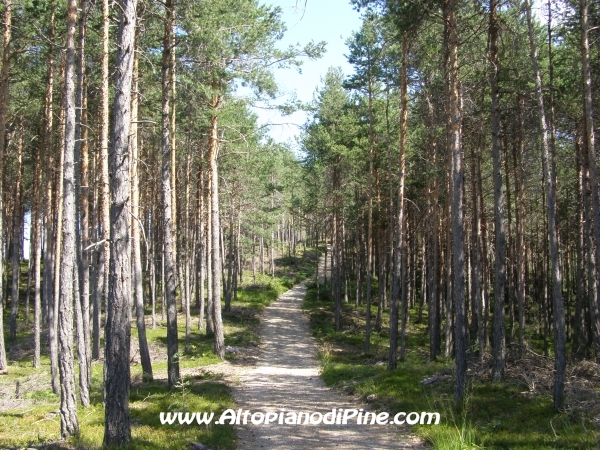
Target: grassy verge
28, 408
508, 415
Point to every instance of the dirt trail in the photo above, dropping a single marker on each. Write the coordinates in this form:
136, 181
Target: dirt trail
286, 376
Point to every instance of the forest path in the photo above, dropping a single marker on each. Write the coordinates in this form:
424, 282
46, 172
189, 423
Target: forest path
286, 376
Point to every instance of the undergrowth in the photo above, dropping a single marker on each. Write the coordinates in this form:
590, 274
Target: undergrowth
29, 409
506, 415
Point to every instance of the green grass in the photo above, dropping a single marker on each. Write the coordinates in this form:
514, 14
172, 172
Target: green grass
33, 419
493, 416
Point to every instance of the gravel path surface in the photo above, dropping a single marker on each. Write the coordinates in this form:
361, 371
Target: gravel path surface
286, 377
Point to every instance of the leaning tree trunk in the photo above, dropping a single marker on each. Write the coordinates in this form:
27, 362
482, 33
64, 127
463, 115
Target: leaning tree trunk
68, 404
117, 430
550, 190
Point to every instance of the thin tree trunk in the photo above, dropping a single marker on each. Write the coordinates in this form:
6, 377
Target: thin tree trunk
499, 348
58, 236
201, 264
209, 264
4, 87
454, 119
369, 243
550, 190
36, 242
104, 253
219, 343
81, 299
578, 350
592, 167
16, 237
521, 253
136, 225
476, 272
399, 251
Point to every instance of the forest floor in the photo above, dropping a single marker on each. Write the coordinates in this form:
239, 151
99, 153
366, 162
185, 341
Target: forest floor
29, 409
286, 378
516, 413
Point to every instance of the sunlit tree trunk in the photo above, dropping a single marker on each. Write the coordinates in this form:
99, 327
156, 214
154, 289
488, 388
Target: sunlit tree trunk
169, 245
4, 80
136, 226
117, 430
219, 343
68, 407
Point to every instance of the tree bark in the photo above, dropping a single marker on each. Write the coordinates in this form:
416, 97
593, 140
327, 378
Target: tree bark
117, 430
592, 167
68, 406
550, 190
201, 256
16, 236
37, 253
4, 87
219, 342
104, 251
136, 225
169, 244
499, 349
399, 251
453, 121
81, 300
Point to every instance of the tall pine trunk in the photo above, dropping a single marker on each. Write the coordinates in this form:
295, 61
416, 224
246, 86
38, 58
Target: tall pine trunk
117, 430
550, 191
100, 294
136, 225
592, 167
16, 236
68, 406
400, 239
499, 348
168, 219
4, 79
453, 123
219, 343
